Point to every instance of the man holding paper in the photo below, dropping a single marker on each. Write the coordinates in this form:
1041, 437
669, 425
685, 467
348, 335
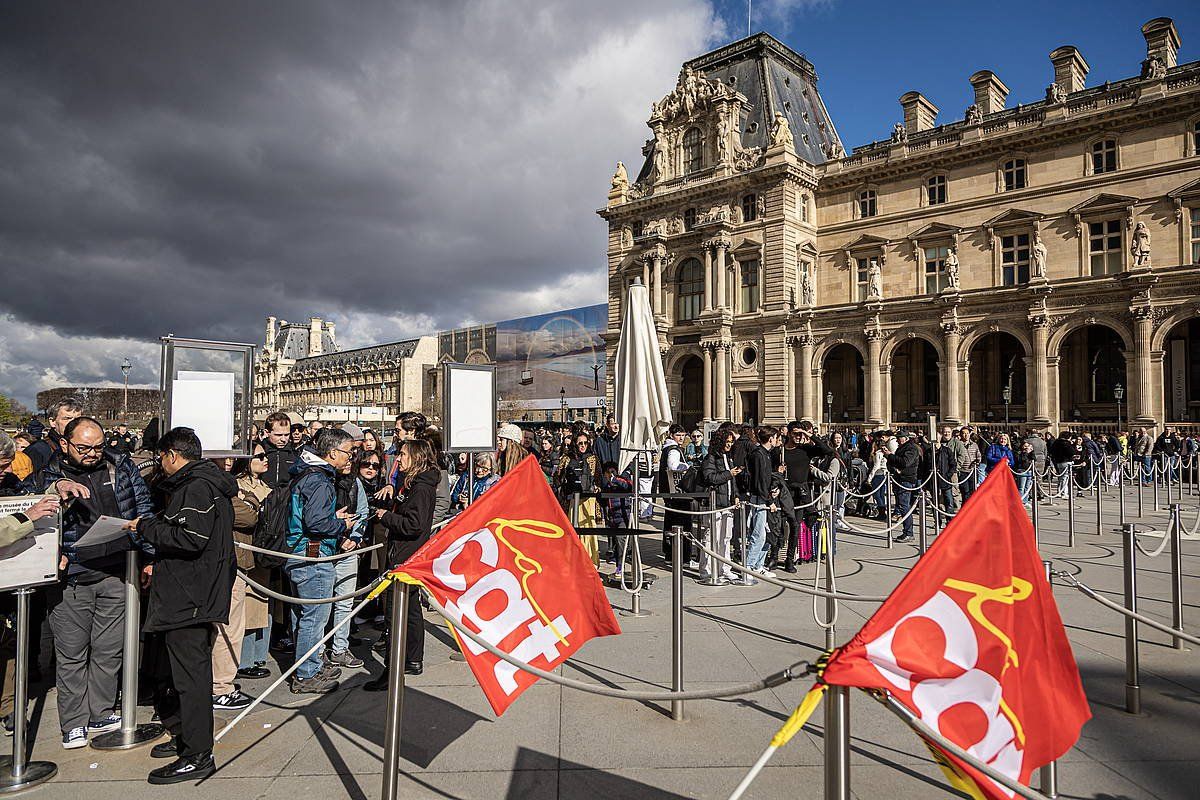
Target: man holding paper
87, 608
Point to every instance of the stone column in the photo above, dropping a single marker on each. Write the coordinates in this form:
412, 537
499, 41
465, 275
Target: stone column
720, 350
1143, 326
657, 289
950, 403
709, 286
807, 392
646, 272
1039, 398
722, 276
789, 343
873, 388
706, 351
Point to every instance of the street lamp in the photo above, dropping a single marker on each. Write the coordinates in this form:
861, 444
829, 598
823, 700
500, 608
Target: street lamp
1007, 395
125, 368
829, 406
562, 397
1119, 395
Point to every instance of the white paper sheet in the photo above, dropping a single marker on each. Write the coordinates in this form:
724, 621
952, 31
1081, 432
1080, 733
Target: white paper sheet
32, 561
103, 530
203, 401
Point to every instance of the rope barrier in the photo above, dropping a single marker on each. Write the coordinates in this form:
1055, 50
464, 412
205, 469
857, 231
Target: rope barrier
888, 529
1104, 601
306, 601
830, 585
795, 587
358, 551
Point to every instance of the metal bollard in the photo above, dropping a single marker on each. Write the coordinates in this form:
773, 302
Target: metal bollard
923, 541
1071, 514
937, 501
1140, 475
395, 692
1176, 534
1156, 473
677, 622
1048, 780
1099, 507
1133, 691
19, 772
837, 743
130, 734
744, 528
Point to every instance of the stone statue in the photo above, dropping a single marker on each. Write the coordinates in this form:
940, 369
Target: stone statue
1038, 264
1141, 246
781, 132
761, 203
1055, 93
660, 155
974, 114
626, 236
1154, 68
952, 269
834, 150
722, 138
808, 294
620, 179
874, 280
899, 133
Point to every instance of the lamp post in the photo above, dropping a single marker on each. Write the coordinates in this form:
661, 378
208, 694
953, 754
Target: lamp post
562, 397
125, 368
382, 404
1007, 395
1119, 395
829, 406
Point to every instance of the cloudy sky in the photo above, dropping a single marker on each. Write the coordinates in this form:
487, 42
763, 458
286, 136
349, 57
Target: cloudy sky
399, 167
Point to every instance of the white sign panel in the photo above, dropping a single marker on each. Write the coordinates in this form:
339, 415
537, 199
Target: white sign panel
203, 401
470, 408
33, 560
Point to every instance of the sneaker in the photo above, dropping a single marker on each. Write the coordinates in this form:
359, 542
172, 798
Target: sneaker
234, 701
763, 571
693, 564
790, 568
283, 645
317, 684
193, 768
10, 722
329, 671
344, 659
904, 537
75, 738
167, 749
109, 723
253, 673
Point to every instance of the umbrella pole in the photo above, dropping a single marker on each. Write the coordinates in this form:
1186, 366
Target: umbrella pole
635, 603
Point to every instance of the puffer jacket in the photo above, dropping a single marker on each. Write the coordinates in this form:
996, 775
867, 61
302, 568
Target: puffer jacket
193, 541
314, 505
714, 474
410, 521
279, 464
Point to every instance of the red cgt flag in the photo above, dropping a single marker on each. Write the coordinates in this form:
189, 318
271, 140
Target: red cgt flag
513, 570
971, 642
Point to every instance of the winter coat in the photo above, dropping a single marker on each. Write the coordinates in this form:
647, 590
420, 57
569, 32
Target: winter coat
409, 522
904, 462
608, 448
314, 506
758, 465
279, 464
997, 453
946, 462
714, 474
1061, 450
193, 542
478, 487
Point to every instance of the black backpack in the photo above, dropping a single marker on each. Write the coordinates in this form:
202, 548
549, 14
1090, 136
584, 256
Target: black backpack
689, 481
271, 530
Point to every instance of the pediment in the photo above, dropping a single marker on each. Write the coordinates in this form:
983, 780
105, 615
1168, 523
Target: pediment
866, 241
1187, 190
1103, 201
748, 245
807, 248
1013, 216
934, 230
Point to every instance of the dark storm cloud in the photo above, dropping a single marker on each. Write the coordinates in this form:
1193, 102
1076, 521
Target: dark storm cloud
192, 167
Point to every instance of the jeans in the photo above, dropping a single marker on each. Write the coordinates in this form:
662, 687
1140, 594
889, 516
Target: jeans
255, 645
345, 581
1147, 469
312, 581
946, 492
878, 487
1024, 484
967, 487
757, 540
1063, 471
904, 499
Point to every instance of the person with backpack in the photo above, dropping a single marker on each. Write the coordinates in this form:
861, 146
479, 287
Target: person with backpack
672, 465
315, 527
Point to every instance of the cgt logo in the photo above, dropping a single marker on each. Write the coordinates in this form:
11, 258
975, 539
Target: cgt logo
498, 603
949, 690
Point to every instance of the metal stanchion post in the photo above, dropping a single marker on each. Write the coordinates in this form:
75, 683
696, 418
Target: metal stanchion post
923, 543
937, 500
710, 540
1156, 473
677, 622
837, 743
1121, 490
744, 536
19, 772
1035, 517
830, 603
887, 503
1139, 472
395, 691
130, 734
1048, 780
1174, 529
1099, 506
1070, 509
1133, 692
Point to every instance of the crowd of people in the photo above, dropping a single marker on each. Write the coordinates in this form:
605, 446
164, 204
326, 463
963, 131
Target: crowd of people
340, 504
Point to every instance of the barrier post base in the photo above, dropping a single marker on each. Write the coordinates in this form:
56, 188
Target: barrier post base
126, 740
34, 774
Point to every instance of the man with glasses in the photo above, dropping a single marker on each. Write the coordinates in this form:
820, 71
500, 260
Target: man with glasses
608, 443
315, 528
87, 608
281, 455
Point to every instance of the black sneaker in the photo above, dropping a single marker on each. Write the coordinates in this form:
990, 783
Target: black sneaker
254, 673
283, 645
193, 768
330, 671
167, 749
10, 722
904, 537
234, 701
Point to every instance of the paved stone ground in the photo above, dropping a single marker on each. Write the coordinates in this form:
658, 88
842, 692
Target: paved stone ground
556, 743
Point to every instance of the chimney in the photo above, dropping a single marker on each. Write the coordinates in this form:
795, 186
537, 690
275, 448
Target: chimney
1070, 70
1162, 40
272, 332
919, 113
314, 336
330, 329
990, 91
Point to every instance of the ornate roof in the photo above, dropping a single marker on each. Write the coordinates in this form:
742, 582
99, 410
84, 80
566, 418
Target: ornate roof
364, 358
292, 341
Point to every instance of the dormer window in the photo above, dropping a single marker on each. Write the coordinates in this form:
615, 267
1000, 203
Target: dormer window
693, 150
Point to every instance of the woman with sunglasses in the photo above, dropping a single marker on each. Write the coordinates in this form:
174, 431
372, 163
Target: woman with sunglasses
579, 471
408, 525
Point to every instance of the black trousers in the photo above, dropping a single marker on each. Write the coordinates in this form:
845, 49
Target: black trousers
188, 713
414, 623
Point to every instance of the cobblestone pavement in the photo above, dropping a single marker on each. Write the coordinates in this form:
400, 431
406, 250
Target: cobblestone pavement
557, 743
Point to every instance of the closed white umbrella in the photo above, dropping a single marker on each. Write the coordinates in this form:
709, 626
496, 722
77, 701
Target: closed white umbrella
643, 406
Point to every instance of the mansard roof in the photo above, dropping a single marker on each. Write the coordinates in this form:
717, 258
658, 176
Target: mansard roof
365, 358
292, 341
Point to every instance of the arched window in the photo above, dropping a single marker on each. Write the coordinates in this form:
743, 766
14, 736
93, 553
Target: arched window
693, 150
749, 208
689, 290
1104, 156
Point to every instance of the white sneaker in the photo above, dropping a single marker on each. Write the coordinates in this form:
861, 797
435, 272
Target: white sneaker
763, 571
695, 565
75, 738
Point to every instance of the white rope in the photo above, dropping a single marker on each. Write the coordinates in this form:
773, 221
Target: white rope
826, 544
358, 551
888, 529
1104, 601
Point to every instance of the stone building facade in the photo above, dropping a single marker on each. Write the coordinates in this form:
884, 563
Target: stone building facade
300, 368
1040, 261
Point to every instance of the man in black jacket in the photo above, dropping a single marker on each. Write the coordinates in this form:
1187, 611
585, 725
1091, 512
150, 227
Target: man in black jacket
903, 464
281, 455
608, 443
759, 471
190, 589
